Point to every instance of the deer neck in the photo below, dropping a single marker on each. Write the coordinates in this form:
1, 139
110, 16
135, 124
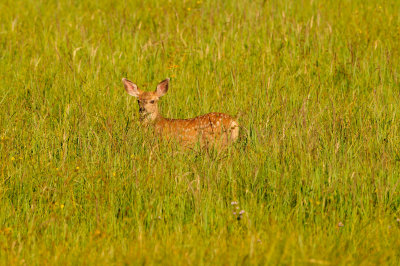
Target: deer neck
152, 118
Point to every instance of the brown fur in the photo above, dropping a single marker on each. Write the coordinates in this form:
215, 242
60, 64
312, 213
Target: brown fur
208, 129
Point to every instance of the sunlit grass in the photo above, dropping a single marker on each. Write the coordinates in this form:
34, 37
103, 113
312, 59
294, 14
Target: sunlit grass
315, 175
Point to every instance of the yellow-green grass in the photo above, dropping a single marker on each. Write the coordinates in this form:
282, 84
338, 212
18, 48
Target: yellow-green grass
315, 87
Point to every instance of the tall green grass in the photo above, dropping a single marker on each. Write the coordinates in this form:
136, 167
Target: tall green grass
315, 87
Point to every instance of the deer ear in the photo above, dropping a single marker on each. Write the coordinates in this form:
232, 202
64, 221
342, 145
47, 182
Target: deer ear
131, 88
162, 87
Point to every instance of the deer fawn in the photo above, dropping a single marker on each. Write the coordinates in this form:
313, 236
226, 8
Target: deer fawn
212, 128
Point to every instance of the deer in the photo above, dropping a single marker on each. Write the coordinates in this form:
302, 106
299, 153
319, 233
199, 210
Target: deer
212, 129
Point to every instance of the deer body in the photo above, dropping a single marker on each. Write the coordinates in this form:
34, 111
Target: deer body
208, 129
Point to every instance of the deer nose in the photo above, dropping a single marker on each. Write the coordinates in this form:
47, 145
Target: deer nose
141, 109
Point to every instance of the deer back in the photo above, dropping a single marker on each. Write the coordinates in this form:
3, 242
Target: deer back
212, 128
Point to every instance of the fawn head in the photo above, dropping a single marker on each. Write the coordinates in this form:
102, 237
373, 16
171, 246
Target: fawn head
147, 100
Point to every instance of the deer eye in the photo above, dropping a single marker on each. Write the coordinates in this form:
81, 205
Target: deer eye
152, 101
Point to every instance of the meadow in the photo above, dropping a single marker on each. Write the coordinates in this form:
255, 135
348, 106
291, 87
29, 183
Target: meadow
315, 173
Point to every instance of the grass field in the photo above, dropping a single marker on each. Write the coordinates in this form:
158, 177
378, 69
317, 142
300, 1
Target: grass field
314, 85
